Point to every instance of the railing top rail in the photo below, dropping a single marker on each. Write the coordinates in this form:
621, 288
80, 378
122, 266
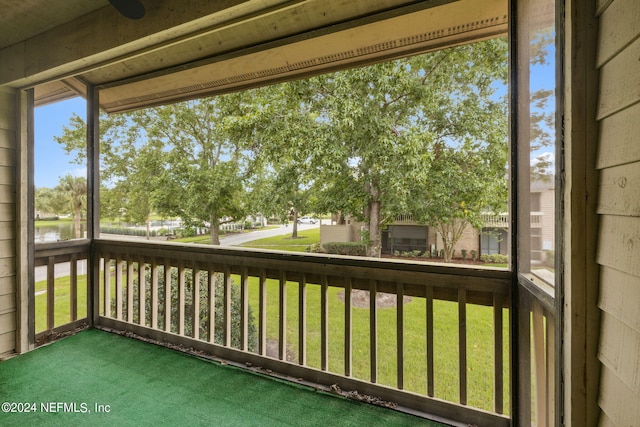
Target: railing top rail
192, 251
80, 247
482, 281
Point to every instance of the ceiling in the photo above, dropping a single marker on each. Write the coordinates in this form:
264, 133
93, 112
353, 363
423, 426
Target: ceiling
190, 48
24, 19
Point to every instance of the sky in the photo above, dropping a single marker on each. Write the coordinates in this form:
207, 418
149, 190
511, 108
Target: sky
51, 162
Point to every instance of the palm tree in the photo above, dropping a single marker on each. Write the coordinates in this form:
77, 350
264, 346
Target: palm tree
74, 191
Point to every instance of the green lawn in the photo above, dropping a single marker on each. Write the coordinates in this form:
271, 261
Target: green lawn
62, 308
286, 243
479, 341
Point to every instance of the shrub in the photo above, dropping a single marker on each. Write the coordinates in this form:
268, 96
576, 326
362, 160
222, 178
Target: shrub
236, 307
494, 258
464, 254
315, 248
123, 231
474, 255
346, 248
549, 258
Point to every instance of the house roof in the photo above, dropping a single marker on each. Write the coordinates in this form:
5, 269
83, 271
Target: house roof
184, 49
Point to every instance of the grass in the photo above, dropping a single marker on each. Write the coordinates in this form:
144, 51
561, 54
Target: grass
286, 243
62, 304
479, 341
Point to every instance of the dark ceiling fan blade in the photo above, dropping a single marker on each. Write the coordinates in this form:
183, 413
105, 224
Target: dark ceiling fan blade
132, 9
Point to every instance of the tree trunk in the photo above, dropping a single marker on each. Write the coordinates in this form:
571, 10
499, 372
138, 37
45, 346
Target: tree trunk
214, 230
148, 223
77, 216
294, 234
375, 231
451, 233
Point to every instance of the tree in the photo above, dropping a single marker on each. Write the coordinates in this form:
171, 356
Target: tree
460, 184
48, 200
73, 192
285, 131
128, 166
203, 172
385, 120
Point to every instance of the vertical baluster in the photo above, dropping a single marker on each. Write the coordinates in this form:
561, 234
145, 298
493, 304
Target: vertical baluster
107, 286
324, 323
373, 330
167, 296
498, 349
73, 291
154, 294
195, 312
348, 327
525, 378
539, 364
462, 343
302, 320
244, 298
211, 283
551, 368
227, 306
118, 288
142, 292
282, 321
429, 324
130, 290
51, 280
181, 297
262, 323
400, 333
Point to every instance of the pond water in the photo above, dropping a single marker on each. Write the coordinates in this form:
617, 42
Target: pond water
53, 233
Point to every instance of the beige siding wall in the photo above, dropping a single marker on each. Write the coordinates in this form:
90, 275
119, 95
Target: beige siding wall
619, 210
470, 240
349, 232
7, 221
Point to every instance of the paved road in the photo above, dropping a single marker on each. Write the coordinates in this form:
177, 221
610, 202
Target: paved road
240, 238
63, 269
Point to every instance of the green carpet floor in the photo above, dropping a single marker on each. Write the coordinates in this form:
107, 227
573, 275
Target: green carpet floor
144, 384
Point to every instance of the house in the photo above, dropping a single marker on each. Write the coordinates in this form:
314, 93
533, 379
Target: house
573, 348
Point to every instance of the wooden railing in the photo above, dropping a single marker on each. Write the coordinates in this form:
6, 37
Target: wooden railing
56, 263
537, 337
502, 220
205, 298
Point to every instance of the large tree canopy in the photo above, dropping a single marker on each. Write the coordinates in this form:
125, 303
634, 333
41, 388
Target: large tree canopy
203, 173
424, 135
385, 122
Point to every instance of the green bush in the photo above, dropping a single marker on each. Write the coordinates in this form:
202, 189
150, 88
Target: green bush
474, 255
236, 307
464, 254
123, 231
315, 248
495, 258
550, 258
345, 248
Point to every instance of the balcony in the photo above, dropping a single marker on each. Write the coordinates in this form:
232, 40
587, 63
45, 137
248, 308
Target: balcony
99, 378
502, 220
301, 317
